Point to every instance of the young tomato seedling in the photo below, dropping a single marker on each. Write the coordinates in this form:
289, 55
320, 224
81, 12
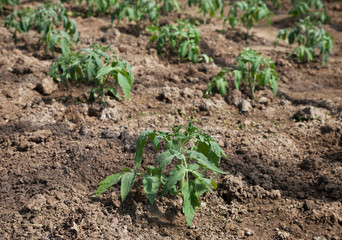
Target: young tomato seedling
193, 152
308, 35
253, 70
183, 37
95, 66
136, 10
8, 2
207, 6
45, 19
305, 8
252, 11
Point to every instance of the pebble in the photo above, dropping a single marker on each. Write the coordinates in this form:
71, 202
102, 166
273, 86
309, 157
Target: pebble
47, 86
245, 106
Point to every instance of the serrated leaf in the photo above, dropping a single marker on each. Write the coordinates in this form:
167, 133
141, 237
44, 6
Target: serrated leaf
114, 92
141, 142
237, 78
190, 202
183, 50
221, 85
176, 175
104, 71
127, 183
107, 183
203, 160
151, 186
124, 83
165, 159
90, 70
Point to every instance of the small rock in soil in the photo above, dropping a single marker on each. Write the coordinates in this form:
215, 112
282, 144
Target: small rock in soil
310, 163
175, 78
249, 232
324, 179
263, 100
187, 92
245, 106
309, 205
168, 94
309, 113
47, 86
37, 101
283, 235
36, 202
326, 129
110, 114
205, 106
275, 194
320, 238
108, 134
110, 102
94, 110
235, 97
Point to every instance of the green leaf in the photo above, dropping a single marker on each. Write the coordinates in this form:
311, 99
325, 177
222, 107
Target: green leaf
221, 85
176, 175
237, 79
151, 186
124, 83
203, 160
190, 202
165, 159
204, 181
107, 183
90, 70
114, 92
184, 50
104, 71
141, 142
127, 183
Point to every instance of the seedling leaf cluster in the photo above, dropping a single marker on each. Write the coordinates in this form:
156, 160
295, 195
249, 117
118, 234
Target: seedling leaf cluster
252, 11
308, 35
192, 153
46, 19
94, 65
136, 10
207, 6
302, 8
253, 70
183, 38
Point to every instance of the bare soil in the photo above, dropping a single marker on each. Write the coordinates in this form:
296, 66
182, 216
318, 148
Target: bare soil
285, 152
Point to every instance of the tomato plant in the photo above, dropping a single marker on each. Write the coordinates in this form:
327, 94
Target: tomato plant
136, 10
169, 5
207, 6
183, 37
8, 2
194, 153
305, 8
45, 19
308, 35
94, 65
252, 11
253, 70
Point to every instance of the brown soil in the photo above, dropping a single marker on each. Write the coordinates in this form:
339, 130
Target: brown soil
284, 178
